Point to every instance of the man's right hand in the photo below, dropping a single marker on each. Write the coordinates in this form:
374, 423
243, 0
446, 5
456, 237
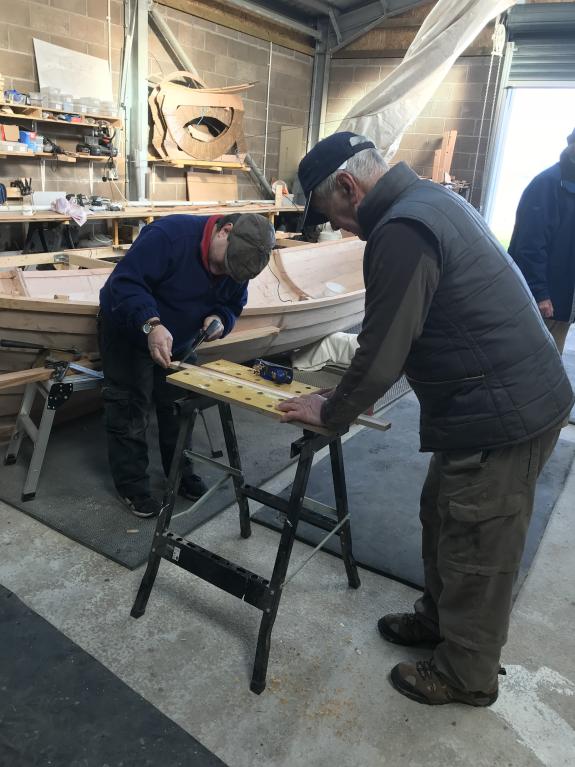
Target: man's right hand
160, 345
546, 309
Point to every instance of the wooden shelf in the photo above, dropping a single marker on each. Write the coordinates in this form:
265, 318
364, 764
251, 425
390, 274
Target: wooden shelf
71, 158
34, 114
209, 164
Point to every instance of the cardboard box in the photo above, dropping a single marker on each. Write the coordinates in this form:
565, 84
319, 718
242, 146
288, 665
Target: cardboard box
9, 132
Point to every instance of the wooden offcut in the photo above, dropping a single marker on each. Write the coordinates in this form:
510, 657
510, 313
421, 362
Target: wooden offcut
183, 109
443, 157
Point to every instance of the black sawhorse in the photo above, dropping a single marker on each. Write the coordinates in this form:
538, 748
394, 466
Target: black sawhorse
252, 588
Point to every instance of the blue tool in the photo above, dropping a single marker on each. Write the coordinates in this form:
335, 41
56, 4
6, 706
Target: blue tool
279, 374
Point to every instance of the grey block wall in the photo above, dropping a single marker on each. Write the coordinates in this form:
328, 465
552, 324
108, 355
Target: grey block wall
223, 57
76, 24
457, 104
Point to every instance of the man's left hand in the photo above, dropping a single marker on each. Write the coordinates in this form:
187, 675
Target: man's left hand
306, 409
220, 329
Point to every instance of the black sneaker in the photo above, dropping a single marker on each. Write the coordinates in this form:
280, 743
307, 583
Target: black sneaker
142, 505
192, 487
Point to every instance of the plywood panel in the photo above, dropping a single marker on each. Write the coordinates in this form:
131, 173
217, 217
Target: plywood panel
217, 187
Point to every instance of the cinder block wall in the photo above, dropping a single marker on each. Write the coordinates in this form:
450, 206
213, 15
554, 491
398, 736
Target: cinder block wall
457, 104
223, 57
76, 24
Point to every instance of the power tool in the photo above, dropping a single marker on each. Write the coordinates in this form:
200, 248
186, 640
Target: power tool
279, 374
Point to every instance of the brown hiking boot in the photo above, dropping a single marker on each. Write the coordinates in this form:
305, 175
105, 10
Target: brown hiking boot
423, 683
407, 629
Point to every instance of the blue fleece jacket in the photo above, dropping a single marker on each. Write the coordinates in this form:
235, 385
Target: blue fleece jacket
543, 240
162, 275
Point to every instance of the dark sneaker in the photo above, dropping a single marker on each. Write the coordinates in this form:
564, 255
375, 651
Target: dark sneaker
192, 487
407, 629
423, 683
142, 505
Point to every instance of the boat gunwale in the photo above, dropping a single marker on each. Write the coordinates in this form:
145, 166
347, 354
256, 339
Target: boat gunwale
54, 305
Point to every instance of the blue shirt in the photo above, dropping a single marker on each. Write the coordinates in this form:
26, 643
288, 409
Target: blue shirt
162, 275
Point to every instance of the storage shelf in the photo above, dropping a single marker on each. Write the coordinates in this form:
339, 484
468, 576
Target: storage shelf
71, 158
34, 114
199, 164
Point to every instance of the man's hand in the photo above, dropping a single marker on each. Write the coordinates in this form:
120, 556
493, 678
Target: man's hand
546, 309
160, 345
306, 409
220, 329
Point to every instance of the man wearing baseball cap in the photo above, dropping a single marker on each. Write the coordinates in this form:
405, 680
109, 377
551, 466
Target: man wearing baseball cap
182, 273
445, 305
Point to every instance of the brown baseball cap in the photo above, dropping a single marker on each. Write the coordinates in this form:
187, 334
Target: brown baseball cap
250, 244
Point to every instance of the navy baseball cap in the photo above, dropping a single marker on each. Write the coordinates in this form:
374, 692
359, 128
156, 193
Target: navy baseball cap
325, 158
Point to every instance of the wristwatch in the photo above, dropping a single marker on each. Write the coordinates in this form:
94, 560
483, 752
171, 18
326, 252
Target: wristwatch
147, 327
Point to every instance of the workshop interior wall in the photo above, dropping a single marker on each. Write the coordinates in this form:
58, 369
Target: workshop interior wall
223, 57
77, 24
457, 104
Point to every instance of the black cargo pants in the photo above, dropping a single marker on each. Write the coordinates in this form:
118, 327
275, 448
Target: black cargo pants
475, 511
132, 384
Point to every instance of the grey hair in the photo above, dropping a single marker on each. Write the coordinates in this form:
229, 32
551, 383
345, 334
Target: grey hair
363, 166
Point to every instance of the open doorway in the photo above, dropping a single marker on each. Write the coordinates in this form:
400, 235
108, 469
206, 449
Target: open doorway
534, 129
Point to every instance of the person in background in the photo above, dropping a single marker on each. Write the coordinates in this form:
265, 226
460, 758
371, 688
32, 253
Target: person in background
181, 273
543, 242
445, 304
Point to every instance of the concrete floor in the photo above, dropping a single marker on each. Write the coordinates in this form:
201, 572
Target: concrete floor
328, 702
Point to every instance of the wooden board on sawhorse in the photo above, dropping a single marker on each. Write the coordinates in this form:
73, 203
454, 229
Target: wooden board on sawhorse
241, 385
260, 396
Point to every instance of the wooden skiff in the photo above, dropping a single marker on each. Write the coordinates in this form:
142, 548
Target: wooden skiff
306, 293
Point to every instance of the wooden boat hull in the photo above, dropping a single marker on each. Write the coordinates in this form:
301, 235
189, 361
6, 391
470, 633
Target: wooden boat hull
59, 309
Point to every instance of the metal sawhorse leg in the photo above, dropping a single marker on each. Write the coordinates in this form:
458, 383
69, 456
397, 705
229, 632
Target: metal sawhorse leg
55, 394
248, 586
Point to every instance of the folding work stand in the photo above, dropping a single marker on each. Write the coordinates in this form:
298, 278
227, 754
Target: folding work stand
248, 586
56, 391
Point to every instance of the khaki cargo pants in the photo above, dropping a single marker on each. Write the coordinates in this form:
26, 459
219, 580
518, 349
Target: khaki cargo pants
475, 511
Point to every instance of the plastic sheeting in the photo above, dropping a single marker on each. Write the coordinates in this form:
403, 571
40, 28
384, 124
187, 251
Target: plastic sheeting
389, 109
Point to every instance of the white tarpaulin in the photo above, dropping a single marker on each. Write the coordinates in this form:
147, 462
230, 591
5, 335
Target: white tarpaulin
390, 108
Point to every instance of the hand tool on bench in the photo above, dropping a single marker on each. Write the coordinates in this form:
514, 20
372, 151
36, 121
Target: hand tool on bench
199, 338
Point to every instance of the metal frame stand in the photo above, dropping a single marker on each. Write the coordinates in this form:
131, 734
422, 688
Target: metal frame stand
55, 394
249, 586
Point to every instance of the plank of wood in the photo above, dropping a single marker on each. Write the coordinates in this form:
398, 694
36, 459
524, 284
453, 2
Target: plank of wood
211, 186
239, 336
86, 262
234, 391
221, 379
20, 377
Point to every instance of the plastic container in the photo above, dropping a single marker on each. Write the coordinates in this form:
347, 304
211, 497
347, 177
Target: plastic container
94, 106
35, 99
29, 138
80, 107
67, 102
55, 105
